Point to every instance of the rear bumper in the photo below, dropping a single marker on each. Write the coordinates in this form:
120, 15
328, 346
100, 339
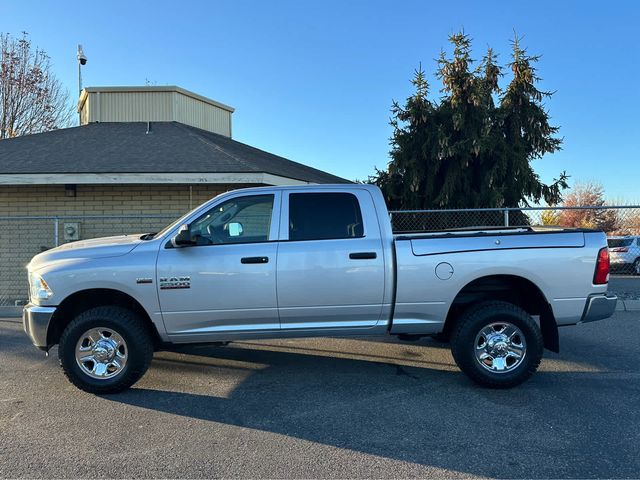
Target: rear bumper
35, 321
599, 307
621, 262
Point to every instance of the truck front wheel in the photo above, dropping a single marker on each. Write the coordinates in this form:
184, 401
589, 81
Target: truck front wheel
497, 344
105, 349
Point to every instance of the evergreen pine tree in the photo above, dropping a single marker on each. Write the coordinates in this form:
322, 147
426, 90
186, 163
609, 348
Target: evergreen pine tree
464, 151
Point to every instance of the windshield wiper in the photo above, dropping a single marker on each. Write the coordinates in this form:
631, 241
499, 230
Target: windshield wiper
148, 236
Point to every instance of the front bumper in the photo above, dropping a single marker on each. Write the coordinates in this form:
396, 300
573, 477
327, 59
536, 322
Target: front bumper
599, 307
35, 320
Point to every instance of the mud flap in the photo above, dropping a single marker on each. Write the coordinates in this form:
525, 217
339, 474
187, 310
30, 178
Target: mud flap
549, 330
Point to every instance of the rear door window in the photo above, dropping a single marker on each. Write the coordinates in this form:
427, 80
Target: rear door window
323, 216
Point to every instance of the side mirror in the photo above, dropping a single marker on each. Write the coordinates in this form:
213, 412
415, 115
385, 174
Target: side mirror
183, 238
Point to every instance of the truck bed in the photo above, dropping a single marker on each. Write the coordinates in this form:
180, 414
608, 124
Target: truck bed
466, 240
479, 231
433, 267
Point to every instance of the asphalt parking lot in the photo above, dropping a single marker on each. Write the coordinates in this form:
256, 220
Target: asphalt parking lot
627, 287
328, 408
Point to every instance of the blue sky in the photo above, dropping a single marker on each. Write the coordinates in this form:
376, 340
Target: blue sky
314, 81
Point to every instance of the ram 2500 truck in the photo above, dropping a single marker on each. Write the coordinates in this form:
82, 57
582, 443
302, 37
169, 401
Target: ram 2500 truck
300, 261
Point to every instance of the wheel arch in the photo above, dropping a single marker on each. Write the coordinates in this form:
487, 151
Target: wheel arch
509, 288
84, 300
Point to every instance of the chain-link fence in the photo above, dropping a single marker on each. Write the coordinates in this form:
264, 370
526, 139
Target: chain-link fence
614, 220
22, 237
620, 223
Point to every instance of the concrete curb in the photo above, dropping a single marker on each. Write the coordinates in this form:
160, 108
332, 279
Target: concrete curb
628, 305
10, 311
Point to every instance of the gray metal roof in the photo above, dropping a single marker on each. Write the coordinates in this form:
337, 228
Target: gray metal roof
170, 147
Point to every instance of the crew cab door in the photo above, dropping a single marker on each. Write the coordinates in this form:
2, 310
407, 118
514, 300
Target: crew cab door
331, 270
226, 283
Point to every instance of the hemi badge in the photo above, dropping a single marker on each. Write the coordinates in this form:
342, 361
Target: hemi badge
144, 280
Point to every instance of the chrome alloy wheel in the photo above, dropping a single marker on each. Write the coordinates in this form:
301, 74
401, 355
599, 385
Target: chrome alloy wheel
500, 347
101, 353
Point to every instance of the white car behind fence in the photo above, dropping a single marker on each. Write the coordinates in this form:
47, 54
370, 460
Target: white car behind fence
625, 254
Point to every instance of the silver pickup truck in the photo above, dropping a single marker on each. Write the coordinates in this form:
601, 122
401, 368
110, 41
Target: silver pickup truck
312, 261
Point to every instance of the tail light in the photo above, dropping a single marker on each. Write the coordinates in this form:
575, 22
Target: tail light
601, 276
620, 249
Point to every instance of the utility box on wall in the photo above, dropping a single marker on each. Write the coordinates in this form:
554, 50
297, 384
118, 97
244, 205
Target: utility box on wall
71, 231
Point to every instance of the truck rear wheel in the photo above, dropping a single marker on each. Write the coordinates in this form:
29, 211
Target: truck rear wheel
497, 344
105, 349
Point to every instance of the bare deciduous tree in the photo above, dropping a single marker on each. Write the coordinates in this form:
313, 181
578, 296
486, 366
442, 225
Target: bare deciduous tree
32, 99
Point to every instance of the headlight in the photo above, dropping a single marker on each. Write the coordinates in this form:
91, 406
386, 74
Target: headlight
38, 288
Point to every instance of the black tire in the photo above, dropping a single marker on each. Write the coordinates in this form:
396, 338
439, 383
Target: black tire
129, 326
636, 267
469, 326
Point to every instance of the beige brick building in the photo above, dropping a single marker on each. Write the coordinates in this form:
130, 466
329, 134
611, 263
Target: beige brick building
141, 157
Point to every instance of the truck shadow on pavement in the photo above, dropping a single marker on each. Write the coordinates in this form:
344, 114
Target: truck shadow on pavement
577, 417
411, 409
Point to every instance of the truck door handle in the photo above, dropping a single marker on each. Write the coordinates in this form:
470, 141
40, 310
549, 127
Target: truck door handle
254, 260
362, 255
